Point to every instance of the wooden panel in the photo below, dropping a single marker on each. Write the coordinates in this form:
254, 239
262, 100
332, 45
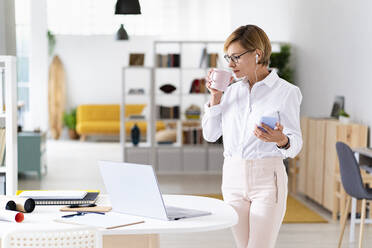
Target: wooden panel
138, 241
315, 159
303, 156
330, 160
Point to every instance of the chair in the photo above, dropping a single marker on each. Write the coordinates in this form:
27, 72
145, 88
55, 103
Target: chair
61, 238
353, 184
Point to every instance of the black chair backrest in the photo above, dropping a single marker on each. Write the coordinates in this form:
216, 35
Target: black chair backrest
350, 172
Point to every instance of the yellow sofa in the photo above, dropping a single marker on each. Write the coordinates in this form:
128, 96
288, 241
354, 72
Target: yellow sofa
105, 119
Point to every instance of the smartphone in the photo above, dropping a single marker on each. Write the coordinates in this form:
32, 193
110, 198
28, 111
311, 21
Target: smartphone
269, 121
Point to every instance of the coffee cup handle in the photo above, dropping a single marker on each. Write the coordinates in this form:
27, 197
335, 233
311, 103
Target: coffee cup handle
212, 75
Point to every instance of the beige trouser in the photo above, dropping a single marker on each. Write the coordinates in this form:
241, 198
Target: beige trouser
257, 190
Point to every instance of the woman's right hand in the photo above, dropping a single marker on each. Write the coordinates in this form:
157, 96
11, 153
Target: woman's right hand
216, 95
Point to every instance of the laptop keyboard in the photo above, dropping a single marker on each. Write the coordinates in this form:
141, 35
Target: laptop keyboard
179, 213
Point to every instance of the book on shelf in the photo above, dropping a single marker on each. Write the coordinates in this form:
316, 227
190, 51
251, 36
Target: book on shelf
164, 112
208, 59
212, 60
90, 196
192, 136
2, 184
198, 86
203, 57
168, 60
2, 145
136, 59
2, 91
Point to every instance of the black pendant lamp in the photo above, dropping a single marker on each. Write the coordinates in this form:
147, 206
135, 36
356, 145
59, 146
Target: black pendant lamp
126, 7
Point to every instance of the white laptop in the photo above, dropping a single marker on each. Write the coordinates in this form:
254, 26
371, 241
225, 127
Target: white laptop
133, 189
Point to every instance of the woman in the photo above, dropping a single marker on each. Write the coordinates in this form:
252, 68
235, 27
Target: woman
254, 180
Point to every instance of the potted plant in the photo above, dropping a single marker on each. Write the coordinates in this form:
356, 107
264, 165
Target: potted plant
69, 120
280, 60
343, 116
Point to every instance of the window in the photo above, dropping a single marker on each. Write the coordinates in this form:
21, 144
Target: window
22, 20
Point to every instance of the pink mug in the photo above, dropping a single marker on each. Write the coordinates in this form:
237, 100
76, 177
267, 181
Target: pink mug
220, 79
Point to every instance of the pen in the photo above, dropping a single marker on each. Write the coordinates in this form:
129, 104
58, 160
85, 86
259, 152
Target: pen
82, 205
278, 116
81, 214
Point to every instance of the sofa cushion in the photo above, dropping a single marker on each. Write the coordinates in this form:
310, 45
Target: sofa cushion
98, 127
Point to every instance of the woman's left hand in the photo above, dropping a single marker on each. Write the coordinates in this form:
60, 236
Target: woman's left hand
271, 135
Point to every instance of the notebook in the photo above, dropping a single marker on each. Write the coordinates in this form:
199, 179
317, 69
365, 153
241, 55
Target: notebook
107, 221
89, 198
54, 194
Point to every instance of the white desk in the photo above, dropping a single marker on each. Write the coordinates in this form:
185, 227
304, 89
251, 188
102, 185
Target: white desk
146, 234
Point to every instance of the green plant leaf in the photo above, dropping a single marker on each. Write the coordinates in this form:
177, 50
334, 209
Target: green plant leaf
69, 119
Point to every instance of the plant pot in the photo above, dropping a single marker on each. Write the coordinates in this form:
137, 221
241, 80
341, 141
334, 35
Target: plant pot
344, 119
73, 134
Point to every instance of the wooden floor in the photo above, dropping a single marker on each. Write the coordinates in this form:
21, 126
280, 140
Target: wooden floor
73, 165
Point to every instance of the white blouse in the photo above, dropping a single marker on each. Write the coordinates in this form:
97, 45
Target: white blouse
241, 109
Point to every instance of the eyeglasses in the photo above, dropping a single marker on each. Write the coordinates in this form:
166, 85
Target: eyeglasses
235, 58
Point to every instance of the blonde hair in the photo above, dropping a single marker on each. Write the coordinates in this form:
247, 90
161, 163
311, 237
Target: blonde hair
251, 38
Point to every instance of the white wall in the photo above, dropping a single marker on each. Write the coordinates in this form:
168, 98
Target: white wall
270, 15
93, 66
332, 51
2, 28
7, 28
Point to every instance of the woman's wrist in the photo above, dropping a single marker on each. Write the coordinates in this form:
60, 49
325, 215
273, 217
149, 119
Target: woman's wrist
215, 100
283, 142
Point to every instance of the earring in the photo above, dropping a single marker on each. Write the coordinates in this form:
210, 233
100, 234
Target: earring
256, 58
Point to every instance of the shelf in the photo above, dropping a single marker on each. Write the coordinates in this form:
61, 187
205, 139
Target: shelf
137, 95
168, 68
186, 68
2, 169
134, 120
167, 120
139, 67
140, 145
193, 145
196, 94
171, 94
191, 120
173, 145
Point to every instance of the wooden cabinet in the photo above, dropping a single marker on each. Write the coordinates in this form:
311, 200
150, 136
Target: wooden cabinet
318, 158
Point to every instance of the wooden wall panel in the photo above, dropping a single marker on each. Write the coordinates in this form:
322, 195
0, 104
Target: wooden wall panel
301, 184
315, 160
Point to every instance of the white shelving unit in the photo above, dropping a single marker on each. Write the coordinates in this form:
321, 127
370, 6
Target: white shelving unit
176, 157
137, 77
8, 119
